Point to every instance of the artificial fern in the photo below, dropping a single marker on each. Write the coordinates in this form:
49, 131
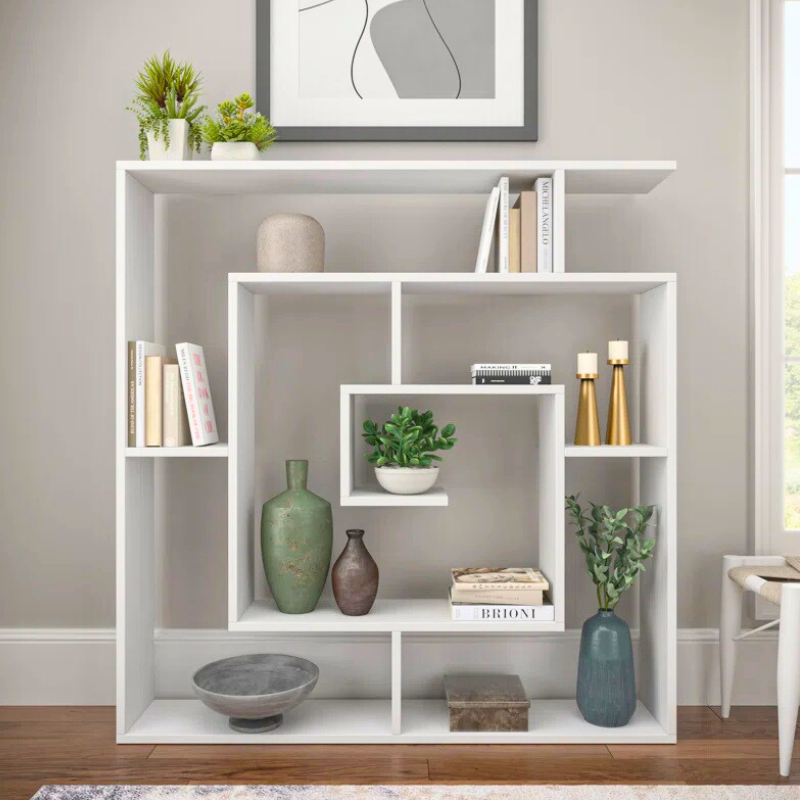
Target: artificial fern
167, 90
234, 123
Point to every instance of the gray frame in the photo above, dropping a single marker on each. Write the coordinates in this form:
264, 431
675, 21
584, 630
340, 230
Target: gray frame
527, 132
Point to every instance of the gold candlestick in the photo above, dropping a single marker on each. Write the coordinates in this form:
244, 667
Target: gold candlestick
587, 426
618, 430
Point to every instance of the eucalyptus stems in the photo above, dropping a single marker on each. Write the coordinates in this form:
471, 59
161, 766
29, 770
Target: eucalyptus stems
614, 546
167, 89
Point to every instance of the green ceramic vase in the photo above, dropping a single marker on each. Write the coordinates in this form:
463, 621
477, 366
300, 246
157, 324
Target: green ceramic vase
296, 543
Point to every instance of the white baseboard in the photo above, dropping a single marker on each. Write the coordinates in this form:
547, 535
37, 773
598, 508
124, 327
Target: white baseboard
76, 666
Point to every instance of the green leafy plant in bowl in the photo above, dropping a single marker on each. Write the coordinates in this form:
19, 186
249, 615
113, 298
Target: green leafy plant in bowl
235, 132
404, 449
167, 91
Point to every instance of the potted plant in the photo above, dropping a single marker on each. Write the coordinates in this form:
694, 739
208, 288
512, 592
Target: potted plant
167, 109
235, 133
614, 544
404, 450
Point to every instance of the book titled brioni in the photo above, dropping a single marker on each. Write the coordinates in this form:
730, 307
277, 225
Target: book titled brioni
464, 612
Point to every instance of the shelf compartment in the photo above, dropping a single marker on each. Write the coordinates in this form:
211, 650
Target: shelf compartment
369, 722
615, 451
404, 615
219, 450
391, 177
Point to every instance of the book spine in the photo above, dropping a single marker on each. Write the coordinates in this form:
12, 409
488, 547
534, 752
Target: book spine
512, 380
529, 232
175, 422
189, 393
153, 367
131, 418
514, 246
512, 367
485, 246
483, 613
497, 598
504, 228
544, 250
140, 347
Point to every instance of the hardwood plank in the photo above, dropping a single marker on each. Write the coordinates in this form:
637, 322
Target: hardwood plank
477, 768
752, 722
239, 752
58, 713
737, 771
20, 790
699, 749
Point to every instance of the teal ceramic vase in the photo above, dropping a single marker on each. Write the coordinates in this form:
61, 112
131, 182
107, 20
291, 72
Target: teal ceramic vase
606, 684
296, 543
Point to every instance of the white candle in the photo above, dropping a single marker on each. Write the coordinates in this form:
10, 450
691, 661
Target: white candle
617, 350
587, 363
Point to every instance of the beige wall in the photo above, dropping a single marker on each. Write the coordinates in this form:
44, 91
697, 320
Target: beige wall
619, 79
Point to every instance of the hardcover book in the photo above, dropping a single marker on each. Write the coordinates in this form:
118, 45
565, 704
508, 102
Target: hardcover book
519, 374
499, 578
514, 245
143, 349
544, 210
175, 422
528, 230
503, 227
197, 393
489, 216
502, 613
525, 597
154, 371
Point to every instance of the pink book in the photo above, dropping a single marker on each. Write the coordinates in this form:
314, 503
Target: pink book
197, 393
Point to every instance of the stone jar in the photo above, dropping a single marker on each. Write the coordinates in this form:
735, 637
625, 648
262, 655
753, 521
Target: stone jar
355, 577
606, 692
291, 243
296, 543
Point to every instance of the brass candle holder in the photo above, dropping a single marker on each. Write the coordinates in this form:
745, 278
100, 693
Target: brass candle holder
618, 430
587, 426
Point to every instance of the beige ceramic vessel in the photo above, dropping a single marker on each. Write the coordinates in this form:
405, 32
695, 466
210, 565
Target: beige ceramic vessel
291, 243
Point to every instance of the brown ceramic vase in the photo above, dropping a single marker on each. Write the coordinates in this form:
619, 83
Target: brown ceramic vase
355, 577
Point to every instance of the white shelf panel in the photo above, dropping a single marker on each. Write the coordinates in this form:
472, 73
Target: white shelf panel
549, 722
378, 498
449, 389
272, 176
418, 616
421, 283
369, 722
219, 450
612, 451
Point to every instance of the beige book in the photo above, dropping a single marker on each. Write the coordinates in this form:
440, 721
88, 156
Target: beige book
500, 598
529, 234
153, 397
175, 423
131, 420
514, 254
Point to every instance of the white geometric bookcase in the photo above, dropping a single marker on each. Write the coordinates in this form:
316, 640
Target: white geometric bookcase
145, 717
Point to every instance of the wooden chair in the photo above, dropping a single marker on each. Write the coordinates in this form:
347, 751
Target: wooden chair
777, 580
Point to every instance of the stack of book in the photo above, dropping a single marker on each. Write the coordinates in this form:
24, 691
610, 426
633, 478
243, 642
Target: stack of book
490, 594
522, 233
509, 374
169, 399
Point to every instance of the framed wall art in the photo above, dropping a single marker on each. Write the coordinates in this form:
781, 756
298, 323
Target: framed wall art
398, 70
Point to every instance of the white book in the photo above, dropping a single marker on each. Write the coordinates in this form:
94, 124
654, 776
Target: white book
544, 208
143, 349
503, 227
485, 247
463, 612
512, 367
197, 393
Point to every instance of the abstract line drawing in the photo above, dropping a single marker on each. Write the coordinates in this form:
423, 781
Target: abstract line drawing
397, 49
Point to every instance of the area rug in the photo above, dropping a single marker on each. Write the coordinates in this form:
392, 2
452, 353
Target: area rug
418, 792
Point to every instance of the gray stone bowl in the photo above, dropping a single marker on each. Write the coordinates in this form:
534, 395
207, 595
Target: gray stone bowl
255, 691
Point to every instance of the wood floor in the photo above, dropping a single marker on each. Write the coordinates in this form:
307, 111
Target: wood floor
54, 745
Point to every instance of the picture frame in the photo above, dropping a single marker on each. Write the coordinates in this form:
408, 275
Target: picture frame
474, 88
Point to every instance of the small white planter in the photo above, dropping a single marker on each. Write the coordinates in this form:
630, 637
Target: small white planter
178, 149
406, 480
234, 151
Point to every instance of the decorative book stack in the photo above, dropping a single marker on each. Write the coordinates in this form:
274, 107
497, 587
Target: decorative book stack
169, 399
519, 374
500, 593
522, 234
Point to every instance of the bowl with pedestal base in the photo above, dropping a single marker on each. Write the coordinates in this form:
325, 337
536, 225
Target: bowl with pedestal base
255, 691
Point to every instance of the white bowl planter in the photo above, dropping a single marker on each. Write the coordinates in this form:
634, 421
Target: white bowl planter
178, 149
406, 480
234, 151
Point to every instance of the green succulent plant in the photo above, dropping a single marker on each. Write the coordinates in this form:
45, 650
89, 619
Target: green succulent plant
614, 546
165, 90
234, 123
408, 439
